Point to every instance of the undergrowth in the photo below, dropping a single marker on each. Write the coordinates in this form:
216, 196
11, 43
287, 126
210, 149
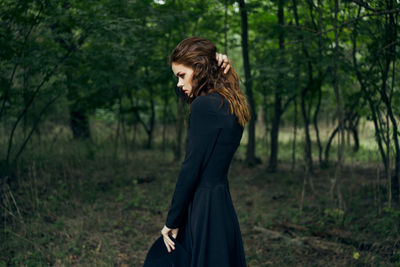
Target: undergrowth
80, 204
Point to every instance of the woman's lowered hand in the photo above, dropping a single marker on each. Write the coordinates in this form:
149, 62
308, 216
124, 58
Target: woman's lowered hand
167, 240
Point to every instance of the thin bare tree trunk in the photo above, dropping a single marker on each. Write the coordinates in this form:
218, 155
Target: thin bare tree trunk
150, 129
273, 159
315, 122
265, 119
338, 167
251, 145
226, 28
304, 92
390, 55
118, 127
164, 123
294, 135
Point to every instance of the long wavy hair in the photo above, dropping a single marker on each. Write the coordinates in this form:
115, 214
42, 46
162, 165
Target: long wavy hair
200, 55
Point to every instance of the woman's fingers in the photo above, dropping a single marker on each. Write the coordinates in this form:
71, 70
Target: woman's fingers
167, 245
227, 69
219, 58
222, 59
223, 62
167, 241
170, 242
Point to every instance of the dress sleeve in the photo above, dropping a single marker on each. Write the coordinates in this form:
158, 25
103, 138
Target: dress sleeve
202, 134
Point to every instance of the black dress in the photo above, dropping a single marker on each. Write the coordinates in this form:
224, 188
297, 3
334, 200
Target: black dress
209, 233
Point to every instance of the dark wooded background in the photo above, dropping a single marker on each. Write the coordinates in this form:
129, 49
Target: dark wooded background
92, 133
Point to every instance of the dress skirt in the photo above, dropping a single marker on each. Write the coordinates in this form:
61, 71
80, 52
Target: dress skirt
210, 237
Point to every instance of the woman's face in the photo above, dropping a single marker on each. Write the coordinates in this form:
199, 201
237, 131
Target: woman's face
184, 75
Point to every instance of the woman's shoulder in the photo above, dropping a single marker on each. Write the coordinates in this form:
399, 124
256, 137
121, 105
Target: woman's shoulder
208, 103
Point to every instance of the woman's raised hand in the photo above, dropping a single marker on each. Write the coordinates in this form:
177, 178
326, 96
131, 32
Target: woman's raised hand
224, 60
167, 240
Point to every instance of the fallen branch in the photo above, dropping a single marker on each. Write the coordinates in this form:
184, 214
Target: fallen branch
343, 237
306, 242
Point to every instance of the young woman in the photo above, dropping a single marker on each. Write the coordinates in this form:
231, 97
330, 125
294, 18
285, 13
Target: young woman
202, 229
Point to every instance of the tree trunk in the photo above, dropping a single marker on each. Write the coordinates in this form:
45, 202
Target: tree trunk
304, 91
356, 139
294, 131
226, 28
250, 153
164, 122
315, 122
79, 122
78, 117
265, 108
370, 102
273, 159
338, 168
390, 54
150, 128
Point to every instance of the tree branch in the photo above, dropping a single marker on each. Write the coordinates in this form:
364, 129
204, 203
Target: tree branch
378, 13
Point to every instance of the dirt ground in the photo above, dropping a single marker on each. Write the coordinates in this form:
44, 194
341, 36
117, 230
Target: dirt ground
105, 211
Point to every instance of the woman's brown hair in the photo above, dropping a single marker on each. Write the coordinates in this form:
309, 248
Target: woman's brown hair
200, 55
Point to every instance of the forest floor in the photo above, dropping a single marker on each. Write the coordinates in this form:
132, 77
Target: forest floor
107, 211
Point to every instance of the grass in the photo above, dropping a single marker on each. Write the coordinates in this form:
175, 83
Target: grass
77, 205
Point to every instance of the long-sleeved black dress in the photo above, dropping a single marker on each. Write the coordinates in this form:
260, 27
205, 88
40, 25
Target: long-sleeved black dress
209, 234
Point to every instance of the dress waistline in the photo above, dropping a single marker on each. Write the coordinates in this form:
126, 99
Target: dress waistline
211, 185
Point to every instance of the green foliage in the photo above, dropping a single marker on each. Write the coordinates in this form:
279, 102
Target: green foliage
107, 61
111, 57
